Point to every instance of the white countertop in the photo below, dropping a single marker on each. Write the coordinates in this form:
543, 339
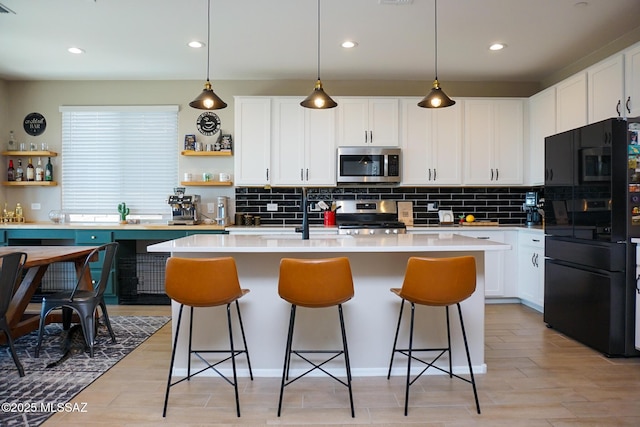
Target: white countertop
431, 242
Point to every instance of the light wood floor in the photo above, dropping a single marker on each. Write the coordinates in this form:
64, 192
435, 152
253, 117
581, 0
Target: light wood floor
536, 377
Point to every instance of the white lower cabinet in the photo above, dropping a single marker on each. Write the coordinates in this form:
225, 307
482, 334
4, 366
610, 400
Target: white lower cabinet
494, 275
531, 269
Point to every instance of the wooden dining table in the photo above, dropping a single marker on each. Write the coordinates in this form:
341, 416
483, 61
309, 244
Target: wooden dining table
39, 258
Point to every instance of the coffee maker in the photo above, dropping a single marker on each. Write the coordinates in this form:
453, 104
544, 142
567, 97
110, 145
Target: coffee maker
531, 206
222, 215
184, 208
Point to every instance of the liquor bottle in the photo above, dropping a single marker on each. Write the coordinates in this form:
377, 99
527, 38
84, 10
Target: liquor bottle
12, 145
48, 171
19, 171
31, 172
39, 171
11, 172
19, 212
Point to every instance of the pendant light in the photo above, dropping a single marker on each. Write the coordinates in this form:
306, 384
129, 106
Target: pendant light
208, 100
436, 98
318, 99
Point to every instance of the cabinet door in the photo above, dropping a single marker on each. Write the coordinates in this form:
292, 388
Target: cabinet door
531, 270
417, 133
571, 106
431, 141
632, 82
353, 121
320, 147
508, 141
288, 148
478, 142
368, 121
383, 122
606, 89
446, 152
252, 141
542, 123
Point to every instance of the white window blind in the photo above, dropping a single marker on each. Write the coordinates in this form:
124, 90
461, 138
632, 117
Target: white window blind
118, 154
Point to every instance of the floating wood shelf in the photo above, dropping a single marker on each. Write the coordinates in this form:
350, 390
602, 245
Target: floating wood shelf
30, 153
206, 184
30, 183
206, 153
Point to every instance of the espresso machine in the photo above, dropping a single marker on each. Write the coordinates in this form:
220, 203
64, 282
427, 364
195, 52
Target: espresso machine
184, 208
531, 206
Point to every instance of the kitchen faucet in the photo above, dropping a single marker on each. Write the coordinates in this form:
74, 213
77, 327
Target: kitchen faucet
305, 216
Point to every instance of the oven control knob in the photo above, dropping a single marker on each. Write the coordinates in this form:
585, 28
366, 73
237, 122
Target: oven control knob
388, 231
355, 232
395, 231
372, 231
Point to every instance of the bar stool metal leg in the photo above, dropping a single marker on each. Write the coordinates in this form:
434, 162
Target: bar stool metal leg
244, 340
287, 356
395, 340
466, 348
173, 358
346, 359
233, 360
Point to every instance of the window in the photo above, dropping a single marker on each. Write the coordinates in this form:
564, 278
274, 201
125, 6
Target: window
115, 154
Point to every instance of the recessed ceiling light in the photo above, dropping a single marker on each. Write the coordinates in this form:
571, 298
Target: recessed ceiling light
75, 50
349, 44
497, 46
196, 44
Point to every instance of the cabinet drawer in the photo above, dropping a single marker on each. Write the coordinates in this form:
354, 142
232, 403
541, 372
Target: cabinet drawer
533, 240
93, 237
3, 238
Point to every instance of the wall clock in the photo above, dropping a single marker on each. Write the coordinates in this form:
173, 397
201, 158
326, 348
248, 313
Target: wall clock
208, 123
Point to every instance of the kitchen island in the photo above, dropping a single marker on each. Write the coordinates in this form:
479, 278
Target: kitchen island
377, 263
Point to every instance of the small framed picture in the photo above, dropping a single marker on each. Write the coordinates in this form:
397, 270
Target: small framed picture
226, 143
189, 142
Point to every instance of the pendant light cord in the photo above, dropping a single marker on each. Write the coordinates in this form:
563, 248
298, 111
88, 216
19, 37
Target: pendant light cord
435, 17
208, 35
318, 39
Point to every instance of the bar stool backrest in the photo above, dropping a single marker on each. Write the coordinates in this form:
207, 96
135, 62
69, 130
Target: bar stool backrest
439, 281
315, 282
202, 282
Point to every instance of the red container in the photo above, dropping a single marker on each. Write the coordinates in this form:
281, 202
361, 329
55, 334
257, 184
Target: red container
329, 218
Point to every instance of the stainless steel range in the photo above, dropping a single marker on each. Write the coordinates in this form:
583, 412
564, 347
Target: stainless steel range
368, 217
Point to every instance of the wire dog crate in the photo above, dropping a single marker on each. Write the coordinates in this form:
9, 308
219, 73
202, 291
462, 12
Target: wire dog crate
141, 279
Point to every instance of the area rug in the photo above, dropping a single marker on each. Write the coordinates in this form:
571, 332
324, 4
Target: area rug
56, 386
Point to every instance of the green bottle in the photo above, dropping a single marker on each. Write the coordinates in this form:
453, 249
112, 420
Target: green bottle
48, 171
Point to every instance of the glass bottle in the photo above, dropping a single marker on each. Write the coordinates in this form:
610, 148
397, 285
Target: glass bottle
19, 212
39, 171
12, 145
19, 171
11, 172
31, 172
48, 171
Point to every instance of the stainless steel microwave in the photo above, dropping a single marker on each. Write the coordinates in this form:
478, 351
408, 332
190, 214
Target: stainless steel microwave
368, 165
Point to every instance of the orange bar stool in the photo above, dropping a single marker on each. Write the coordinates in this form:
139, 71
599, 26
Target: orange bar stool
205, 282
315, 283
435, 282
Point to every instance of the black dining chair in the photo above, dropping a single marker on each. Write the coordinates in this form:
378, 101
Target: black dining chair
84, 302
10, 273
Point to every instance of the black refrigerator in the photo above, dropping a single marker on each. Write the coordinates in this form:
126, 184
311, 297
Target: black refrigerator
591, 211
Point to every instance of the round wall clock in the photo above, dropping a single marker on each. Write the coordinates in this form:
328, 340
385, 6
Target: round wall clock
208, 123
34, 124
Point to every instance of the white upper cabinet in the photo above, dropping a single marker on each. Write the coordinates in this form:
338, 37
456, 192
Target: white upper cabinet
571, 102
252, 123
542, 123
431, 141
632, 82
367, 121
493, 141
605, 82
303, 144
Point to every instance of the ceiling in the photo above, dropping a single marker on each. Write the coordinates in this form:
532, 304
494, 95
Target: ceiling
277, 39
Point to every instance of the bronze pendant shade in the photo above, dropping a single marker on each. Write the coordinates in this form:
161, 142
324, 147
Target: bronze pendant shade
436, 98
208, 100
318, 99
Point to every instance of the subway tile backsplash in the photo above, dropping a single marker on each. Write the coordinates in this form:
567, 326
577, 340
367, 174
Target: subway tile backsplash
502, 204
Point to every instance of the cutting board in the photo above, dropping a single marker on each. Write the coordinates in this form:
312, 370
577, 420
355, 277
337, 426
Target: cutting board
480, 223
